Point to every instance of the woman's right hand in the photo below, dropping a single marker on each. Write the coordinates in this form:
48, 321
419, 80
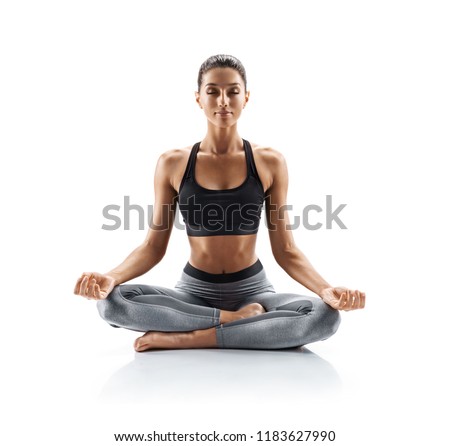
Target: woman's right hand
94, 285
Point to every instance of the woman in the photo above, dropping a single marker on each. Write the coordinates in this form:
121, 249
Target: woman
223, 298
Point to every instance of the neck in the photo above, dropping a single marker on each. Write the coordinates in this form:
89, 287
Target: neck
221, 140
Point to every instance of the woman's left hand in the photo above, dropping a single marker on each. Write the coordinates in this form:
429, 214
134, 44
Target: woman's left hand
342, 298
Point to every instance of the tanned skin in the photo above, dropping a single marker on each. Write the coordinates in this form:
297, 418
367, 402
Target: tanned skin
220, 165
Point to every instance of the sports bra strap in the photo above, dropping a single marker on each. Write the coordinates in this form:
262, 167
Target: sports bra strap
191, 161
251, 160
188, 172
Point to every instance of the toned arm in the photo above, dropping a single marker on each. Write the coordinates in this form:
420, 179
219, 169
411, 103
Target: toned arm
153, 248
284, 249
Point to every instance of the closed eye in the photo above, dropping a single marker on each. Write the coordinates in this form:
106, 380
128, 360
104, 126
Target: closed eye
213, 92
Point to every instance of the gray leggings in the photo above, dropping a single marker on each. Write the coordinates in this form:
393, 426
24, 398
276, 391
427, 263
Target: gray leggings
291, 320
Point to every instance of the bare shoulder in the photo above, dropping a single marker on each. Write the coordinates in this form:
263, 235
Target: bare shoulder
270, 164
172, 157
172, 164
268, 155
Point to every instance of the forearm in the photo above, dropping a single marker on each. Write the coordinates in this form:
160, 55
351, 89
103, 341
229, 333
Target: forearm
139, 261
295, 263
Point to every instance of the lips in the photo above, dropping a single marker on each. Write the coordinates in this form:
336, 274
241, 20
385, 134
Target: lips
223, 113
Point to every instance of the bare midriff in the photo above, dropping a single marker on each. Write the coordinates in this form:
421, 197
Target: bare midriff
223, 254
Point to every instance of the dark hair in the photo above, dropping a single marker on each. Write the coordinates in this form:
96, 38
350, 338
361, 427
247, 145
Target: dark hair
221, 61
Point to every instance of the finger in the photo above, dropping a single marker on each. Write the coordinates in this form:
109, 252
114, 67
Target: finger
363, 300
87, 289
83, 285
342, 301
90, 288
357, 300
345, 303
76, 289
97, 291
349, 304
91, 281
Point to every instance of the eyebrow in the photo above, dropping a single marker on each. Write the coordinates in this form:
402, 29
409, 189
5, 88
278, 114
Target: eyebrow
235, 83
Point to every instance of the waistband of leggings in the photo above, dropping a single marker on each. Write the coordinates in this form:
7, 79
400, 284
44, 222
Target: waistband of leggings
226, 277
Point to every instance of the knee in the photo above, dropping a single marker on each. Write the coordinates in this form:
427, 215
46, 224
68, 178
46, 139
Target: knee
328, 318
110, 308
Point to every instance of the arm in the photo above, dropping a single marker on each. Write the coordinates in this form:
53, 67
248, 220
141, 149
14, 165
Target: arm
154, 247
284, 249
97, 286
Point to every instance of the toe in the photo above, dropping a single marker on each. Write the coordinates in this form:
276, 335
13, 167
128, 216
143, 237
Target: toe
138, 344
259, 308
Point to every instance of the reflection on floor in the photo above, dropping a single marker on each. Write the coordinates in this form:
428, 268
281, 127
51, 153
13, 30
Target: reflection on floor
212, 373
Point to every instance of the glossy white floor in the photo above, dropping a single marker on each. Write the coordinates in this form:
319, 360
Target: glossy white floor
200, 374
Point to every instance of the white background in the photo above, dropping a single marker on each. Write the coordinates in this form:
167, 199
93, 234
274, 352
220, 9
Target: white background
354, 94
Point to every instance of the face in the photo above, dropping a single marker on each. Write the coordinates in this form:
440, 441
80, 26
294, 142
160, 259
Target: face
222, 90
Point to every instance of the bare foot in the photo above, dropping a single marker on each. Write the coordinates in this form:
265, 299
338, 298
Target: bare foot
248, 311
176, 340
193, 339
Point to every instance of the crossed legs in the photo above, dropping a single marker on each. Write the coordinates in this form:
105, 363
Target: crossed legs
177, 319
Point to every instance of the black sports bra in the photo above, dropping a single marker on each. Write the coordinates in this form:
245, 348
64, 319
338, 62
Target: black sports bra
208, 212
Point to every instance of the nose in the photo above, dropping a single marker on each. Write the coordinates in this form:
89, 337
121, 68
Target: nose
223, 101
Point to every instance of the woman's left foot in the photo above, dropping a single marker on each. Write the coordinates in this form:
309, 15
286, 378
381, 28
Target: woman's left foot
247, 311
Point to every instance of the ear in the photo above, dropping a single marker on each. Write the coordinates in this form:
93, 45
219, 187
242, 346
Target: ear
247, 95
197, 98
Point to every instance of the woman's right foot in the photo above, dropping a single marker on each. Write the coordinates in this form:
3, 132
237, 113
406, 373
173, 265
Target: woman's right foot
175, 340
247, 311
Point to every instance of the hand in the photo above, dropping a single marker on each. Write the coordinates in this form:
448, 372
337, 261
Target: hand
94, 286
342, 298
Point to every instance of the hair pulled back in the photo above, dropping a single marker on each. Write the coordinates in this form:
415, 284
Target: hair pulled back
221, 61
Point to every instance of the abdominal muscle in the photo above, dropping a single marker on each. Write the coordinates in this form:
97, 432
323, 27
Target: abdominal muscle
221, 254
